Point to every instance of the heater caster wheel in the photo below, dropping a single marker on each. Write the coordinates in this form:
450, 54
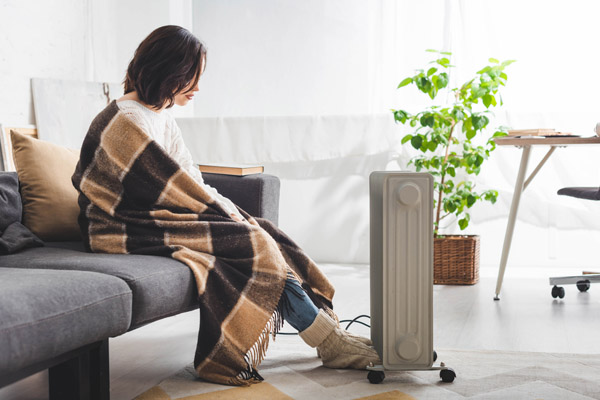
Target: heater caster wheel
558, 291
583, 286
447, 375
376, 376
434, 356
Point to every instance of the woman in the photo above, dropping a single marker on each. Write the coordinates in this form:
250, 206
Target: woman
140, 193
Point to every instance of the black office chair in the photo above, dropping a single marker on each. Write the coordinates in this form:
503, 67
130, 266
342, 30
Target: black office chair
584, 281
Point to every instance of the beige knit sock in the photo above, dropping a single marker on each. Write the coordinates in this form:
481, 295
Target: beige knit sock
362, 339
337, 348
318, 331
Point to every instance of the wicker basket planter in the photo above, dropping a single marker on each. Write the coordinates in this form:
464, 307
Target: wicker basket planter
456, 260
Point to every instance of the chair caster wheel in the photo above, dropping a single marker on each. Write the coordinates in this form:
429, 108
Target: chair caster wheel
447, 375
584, 285
434, 355
376, 376
558, 291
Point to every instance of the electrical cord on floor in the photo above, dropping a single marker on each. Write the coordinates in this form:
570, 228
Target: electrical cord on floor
350, 322
356, 320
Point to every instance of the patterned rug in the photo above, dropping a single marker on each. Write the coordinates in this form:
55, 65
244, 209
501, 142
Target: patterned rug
293, 371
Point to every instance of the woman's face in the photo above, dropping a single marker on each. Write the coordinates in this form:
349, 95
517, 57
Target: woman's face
187, 94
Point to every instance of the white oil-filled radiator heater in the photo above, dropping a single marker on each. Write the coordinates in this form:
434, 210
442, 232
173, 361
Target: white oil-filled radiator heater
402, 274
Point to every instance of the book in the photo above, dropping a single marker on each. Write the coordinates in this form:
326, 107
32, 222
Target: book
532, 132
232, 169
528, 133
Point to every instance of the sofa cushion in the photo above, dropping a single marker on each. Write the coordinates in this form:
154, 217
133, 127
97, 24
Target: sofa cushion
17, 237
45, 313
160, 286
50, 207
10, 200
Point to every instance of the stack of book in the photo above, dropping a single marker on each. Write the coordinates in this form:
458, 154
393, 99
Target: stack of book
232, 169
537, 132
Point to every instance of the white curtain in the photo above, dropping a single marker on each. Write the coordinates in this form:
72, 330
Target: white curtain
323, 164
324, 160
551, 85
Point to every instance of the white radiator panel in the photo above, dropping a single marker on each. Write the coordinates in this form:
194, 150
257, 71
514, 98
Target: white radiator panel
402, 268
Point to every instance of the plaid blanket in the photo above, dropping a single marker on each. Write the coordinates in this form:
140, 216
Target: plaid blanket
135, 199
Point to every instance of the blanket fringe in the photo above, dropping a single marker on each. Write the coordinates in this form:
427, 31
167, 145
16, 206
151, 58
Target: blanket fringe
257, 352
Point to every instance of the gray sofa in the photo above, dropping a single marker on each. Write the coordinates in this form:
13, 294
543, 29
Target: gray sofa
59, 304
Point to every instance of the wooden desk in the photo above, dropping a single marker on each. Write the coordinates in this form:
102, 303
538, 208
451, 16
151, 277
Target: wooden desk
521, 183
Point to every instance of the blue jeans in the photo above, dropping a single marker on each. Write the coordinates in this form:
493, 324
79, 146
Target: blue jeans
295, 305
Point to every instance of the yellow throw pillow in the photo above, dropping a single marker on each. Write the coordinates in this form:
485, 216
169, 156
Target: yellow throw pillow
50, 207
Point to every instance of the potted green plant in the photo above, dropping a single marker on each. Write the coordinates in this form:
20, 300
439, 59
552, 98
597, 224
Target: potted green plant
454, 139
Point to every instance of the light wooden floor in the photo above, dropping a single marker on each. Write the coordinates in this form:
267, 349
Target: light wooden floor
466, 317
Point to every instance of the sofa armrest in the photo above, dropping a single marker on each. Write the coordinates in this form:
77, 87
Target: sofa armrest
256, 194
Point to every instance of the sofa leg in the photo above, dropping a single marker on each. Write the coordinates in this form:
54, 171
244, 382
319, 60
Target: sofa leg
100, 372
84, 377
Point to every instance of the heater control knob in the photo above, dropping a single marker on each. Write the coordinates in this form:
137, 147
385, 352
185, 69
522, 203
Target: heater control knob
409, 194
408, 348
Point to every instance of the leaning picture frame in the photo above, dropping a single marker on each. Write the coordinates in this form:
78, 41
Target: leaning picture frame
7, 162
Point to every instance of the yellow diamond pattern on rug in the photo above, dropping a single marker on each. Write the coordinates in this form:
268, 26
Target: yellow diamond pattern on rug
260, 391
393, 395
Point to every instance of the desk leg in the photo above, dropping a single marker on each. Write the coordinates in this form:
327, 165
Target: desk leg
512, 217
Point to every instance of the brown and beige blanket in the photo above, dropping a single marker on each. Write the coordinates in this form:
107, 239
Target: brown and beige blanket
136, 199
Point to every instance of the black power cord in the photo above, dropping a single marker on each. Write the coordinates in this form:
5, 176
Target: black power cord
350, 322
356, 320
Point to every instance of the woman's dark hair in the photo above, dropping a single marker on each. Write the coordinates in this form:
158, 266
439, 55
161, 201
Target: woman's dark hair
166, 62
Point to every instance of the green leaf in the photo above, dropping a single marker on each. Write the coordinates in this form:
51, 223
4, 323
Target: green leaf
478, 122
400, 116
451, 171
416, 141
431, 71
442, 80
471, 200
478, 160
471, 134
458, 114
450, 207
487, 100
463, 223
486, 121
432, 146
423, 84
493, 60
405, 82
406, 138
432, 92
443, 62
427, 120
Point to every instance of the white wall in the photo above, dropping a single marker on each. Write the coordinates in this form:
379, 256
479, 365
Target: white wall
40, 39
85, 40
284, 57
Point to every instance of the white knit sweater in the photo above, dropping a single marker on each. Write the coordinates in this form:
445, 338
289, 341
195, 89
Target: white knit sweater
164, 130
